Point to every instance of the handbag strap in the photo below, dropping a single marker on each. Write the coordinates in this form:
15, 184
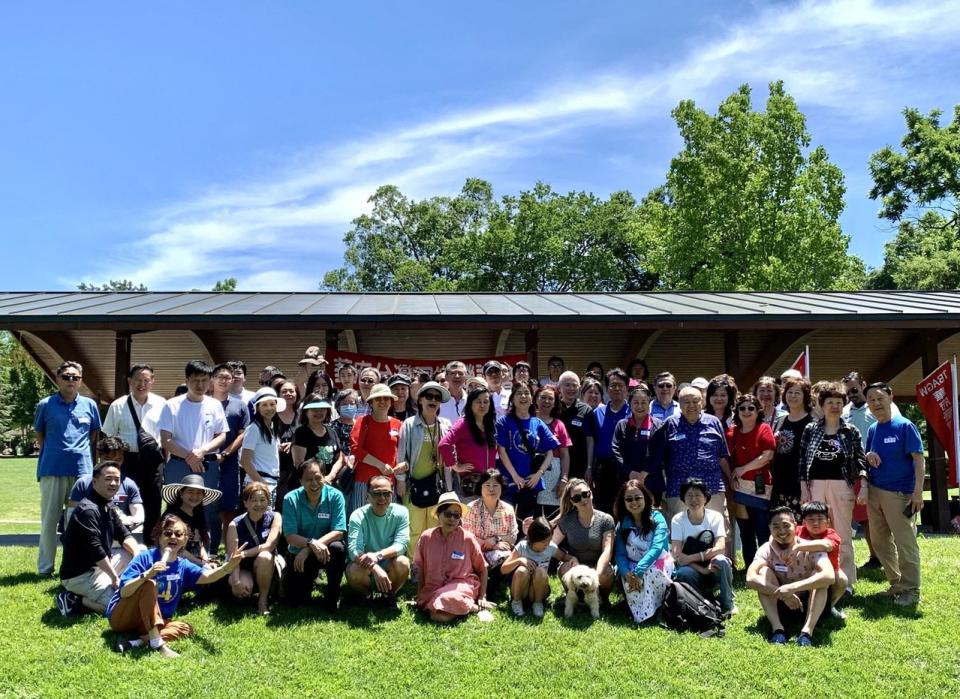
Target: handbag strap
253, 532
133, 412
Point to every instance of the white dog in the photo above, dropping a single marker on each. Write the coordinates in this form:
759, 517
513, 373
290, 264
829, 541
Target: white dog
582, 584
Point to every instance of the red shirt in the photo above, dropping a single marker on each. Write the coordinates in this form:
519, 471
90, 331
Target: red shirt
744, 448
831, 536
371, 437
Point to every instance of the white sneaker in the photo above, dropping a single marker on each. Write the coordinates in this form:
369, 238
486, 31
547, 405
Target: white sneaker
538, 610
837, 613
517, 608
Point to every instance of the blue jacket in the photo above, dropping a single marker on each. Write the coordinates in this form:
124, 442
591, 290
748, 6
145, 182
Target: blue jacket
659, 544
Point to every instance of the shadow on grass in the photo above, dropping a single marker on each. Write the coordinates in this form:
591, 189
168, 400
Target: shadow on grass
26, 578
793, 622
878, 606
53, 619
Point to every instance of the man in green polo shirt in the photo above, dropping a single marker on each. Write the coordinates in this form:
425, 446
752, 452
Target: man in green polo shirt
314, 522
377, 538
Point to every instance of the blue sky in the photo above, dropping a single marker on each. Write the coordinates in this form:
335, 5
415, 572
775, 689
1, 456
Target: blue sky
180, 143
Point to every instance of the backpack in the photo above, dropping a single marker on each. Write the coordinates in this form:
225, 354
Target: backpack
686, 609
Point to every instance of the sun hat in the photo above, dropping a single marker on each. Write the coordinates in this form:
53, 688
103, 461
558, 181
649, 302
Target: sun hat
313, 357
380, 390
700, 383
318, 405
444, 393
267, 393
447, 499
191, 480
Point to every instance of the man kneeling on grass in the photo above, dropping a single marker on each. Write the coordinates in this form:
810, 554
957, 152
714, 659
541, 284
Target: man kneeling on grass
90, 570
790, 580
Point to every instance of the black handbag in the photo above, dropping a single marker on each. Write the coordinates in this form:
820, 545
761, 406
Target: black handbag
425, 492
149, 452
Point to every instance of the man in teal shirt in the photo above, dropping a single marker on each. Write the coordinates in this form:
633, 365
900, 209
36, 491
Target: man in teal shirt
377, 538
314, 522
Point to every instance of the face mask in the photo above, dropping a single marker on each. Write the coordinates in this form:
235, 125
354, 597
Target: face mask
348, 411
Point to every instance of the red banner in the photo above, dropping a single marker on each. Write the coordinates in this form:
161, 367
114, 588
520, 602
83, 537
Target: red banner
935, 396
397, 365
802, 363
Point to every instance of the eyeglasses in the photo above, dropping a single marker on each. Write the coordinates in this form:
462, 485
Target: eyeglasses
367, 381
450, 512
173, 534
381, 494
635, 498
747, 408
664, 385
585, 495
433, 396
71, 377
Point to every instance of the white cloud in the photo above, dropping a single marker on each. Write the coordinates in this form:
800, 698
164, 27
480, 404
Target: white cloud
844, 56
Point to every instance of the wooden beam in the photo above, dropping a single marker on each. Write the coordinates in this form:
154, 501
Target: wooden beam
501, 347
532, 344
780, 343
61, 344
211, 346
637, 344
351, 338
121, 362
905, 354
331, 340
731, 352
49, 371
937, 461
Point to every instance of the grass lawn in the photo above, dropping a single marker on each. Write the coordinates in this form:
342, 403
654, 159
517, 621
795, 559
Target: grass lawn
19, 497
881, 650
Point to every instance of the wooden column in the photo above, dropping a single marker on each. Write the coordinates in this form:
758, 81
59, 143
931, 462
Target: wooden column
532, 338
731, 353
121, 362
937, 460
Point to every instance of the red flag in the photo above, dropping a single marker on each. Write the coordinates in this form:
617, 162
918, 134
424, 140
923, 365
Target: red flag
802, 363
935, 396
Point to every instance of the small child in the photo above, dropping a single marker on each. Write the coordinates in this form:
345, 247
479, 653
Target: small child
819, 536
529, 562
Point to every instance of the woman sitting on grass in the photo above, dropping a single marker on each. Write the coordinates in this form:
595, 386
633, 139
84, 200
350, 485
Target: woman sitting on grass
151, 586
258, 530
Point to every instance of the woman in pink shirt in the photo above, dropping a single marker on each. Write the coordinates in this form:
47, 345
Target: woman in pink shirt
452, 578
469, 448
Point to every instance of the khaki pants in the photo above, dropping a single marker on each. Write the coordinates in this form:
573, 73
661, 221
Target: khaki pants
717, 503
894, 538
839, 497
54, 494
140, 612
95, 585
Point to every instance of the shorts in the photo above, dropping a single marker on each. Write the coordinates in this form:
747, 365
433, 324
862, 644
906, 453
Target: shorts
94, 585
799, 615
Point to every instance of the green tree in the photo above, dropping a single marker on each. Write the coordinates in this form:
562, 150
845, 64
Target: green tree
112, 285
747, 204
228, 284
22, 385
919, 190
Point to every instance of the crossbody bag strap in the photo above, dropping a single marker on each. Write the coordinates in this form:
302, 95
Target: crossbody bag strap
133, 413
253, 532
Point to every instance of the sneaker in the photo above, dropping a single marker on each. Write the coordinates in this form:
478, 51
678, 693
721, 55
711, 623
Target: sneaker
537, 609
517, 608
873, 563
390, 603
892, 592
778, 638
907, 599
733, 611
122, 647
838, 613
804, 640
68, 603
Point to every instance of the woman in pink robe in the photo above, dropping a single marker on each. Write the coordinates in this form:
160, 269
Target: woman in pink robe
452, 573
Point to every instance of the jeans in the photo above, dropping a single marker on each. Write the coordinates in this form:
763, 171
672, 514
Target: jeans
754, 532
722, 578
174, 472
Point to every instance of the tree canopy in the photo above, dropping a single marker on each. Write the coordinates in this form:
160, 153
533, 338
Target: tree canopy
747, 204
22, 385
112, 285
919, 190
228, 284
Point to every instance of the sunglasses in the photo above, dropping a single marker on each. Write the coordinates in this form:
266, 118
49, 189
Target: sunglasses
635, 498
173, 534
433, 396
747, 408
381, 494
455, 514
664, 385
71, 377
367, 381
585, 495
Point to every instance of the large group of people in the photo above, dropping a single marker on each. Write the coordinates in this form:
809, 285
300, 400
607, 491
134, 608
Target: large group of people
469, 486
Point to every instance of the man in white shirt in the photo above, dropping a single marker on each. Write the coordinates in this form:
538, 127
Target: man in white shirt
493, 374
456, 377
238, 388
193, 428
555, 367
119, 422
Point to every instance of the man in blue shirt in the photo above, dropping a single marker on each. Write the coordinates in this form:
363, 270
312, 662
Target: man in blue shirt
895, 494
693, 444
67, 425
664, 385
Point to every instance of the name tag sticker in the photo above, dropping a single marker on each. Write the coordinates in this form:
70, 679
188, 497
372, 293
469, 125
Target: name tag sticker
780, 567
323, 515
577, 422
83, 420
173, 577
889, 440
644, 433
678, 438
457, 555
